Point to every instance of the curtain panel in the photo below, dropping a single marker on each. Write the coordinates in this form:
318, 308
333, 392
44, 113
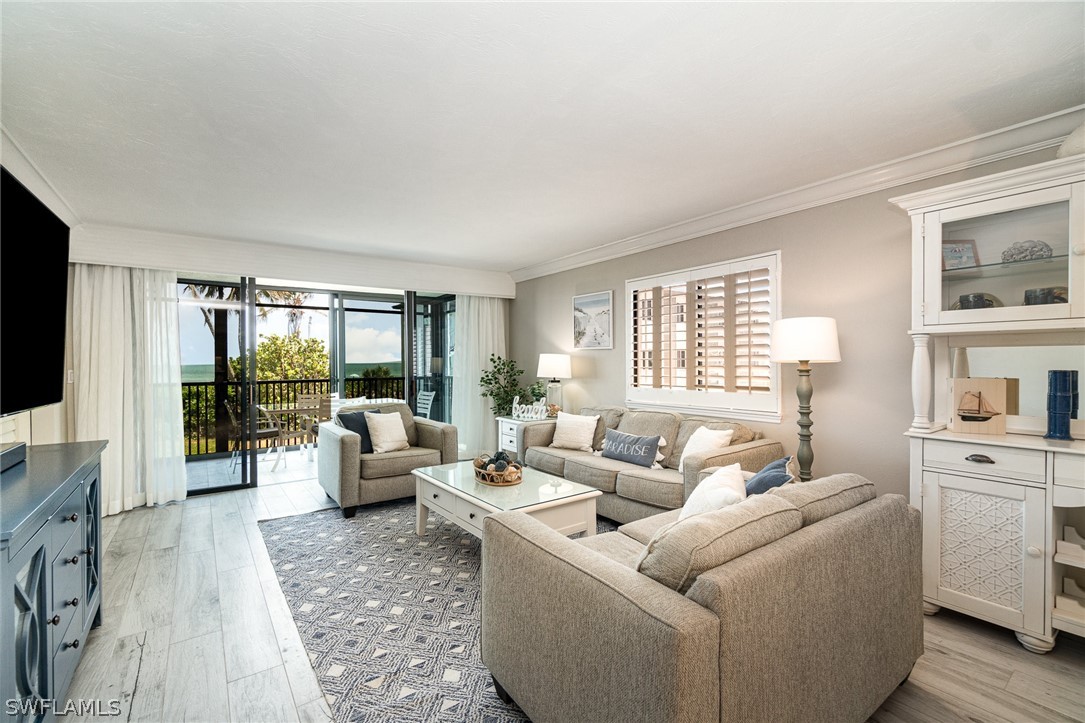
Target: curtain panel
481, 323
127, 361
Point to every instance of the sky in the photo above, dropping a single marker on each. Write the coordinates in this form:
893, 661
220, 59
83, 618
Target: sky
370, 337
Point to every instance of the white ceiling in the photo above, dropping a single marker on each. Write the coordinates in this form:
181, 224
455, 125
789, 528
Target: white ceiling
500, 136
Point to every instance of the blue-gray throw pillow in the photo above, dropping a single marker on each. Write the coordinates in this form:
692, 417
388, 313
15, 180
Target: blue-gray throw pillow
774, 474
355, 422
630, 447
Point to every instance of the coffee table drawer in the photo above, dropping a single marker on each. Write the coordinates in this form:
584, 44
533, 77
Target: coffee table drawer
438, 499
470, 513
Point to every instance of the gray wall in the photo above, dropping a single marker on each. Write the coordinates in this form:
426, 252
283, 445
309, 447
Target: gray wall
849, 260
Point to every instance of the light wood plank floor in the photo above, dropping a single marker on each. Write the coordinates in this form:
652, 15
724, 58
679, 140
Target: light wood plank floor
195, 628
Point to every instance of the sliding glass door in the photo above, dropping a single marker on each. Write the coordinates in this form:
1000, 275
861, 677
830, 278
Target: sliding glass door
215, 370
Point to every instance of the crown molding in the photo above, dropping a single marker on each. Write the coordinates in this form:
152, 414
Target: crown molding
18, 165
121, 246
1033, 135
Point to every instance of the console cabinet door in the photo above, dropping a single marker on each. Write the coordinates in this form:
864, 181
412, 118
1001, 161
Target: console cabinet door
984, 550
25, 642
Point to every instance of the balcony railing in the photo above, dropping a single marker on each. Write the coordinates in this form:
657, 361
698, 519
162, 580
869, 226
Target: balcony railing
212, 429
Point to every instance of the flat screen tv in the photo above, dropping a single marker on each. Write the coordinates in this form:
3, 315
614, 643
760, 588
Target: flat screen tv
33, 299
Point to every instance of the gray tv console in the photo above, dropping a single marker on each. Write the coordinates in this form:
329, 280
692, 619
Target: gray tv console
50, 574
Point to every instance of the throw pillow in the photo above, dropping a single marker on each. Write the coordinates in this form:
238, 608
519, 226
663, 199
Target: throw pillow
574, 431
774, 474
355, 422
387, 432
705, 440
630, 448
723, 487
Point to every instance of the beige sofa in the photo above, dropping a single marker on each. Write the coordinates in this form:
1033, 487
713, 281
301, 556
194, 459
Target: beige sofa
352, 478
631, 492
814, 612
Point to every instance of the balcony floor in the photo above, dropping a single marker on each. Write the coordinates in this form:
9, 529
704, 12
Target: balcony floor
294, 467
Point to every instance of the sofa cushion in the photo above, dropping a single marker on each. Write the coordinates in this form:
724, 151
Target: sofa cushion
551, 459
574, 431
659, 487
644, 529
640, 451
598, 472
399, 408
616, 546
682, 550
386, 432
608, 419
705, 440
774, 474
355, 422
649, 424
689, 425
723, 487
827, 496
390, 464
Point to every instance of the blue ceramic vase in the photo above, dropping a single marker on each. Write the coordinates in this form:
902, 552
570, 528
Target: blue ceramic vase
1062, 401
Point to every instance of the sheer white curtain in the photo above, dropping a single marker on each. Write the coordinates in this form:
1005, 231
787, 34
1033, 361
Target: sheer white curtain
480, 332
126, 352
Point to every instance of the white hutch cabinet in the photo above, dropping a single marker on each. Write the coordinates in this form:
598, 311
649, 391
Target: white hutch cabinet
998, 288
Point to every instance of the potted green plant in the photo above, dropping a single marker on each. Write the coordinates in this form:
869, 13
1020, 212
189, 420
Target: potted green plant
501, 383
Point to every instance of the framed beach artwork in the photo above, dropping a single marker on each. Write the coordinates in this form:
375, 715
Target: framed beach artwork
593, 322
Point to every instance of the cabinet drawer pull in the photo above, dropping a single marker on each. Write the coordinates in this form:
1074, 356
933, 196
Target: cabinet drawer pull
435, 495
89, 550
55, 620
73, 644
73, 517
74, 602
1034, 551
982, 458
73, 560
472, 515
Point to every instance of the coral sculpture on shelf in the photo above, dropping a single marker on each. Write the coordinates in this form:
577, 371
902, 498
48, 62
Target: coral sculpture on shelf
1026, 250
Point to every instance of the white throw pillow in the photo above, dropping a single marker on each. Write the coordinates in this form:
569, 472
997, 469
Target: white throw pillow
705, 440
723, 487
574, 431
386, 431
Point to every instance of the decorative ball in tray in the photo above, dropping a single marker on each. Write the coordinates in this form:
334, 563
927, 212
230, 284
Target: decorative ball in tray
498, 470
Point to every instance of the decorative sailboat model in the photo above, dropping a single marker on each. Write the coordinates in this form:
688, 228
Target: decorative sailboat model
974, 408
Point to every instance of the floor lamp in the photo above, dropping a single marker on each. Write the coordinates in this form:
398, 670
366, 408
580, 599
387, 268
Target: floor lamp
805, 340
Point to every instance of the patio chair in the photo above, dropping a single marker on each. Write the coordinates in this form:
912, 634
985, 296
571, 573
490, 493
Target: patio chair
425, 404
285, 433
262, 432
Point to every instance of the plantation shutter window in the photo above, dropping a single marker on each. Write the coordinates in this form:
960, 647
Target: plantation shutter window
700, 339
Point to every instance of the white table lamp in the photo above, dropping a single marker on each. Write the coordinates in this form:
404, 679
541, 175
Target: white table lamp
805, 340
557, 367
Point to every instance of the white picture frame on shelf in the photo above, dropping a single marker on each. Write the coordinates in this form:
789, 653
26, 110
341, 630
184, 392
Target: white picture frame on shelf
593, 320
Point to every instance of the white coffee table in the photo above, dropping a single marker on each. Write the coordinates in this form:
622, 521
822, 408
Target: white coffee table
453, 491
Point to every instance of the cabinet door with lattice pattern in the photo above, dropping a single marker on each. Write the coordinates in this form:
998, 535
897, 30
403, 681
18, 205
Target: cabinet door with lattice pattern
983, 548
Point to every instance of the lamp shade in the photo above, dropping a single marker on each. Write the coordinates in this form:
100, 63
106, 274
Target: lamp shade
555, 366
805, 338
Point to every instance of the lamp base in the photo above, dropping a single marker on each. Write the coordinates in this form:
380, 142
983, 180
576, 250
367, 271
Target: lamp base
553, 393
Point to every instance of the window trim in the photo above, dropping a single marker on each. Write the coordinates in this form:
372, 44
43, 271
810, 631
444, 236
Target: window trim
767, 407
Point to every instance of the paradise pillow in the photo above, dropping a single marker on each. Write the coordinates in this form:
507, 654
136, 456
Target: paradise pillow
355, 422
630, 448
774, 474
387, 432
723, 487
705, 440
574, 431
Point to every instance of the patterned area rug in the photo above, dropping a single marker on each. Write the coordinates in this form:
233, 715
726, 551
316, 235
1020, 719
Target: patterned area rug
390, 619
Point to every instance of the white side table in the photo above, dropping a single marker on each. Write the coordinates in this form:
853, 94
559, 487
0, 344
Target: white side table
506, 433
